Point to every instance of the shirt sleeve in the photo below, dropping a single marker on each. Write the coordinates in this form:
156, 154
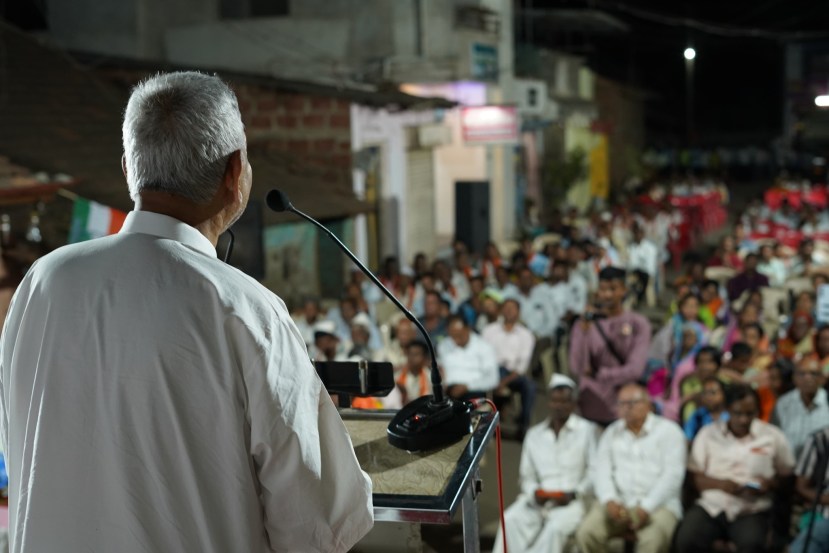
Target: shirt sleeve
635, 363
579, 350
669, 484
525, 352
603, 470
313, 493
489, 367
783, 456
528, 478
698, 460
586, 485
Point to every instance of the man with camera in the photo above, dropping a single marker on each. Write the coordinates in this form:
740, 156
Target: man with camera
608, 348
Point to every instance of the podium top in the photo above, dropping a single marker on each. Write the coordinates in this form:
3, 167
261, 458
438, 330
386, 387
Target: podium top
416, 487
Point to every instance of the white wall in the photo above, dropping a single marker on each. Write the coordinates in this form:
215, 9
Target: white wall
285, 47
379, 127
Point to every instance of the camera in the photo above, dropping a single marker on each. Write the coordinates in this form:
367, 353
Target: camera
594, 316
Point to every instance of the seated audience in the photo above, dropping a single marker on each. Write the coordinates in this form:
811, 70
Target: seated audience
712, 408
798, 340
469, 362
737, 364
415, 378
503, 284
327, 342
780, 376
687, 388
433, 318
361, 327
735, 465
513, 344
712, 307
610, 352
805, 409
821, 348
395, 351
771, 266
748, 280
305, 321
553, 477
643, 261
637, 476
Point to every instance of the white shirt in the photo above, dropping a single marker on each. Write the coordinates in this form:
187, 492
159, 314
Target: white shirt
157, 399
578, 293
539, 312
775, 270
558, 463
645, 470
797, 421
474, 365
644, 256
513, 348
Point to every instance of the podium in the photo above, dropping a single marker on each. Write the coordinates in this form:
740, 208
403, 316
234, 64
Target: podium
425, 487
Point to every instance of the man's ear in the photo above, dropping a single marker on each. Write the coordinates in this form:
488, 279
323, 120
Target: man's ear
233, 173
124, 164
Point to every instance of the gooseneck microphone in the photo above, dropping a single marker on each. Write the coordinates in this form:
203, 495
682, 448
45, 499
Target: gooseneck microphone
427, 422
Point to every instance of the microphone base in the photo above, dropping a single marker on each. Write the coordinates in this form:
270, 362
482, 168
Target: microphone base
423, 424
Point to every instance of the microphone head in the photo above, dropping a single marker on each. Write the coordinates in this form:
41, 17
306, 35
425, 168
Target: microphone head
278, 201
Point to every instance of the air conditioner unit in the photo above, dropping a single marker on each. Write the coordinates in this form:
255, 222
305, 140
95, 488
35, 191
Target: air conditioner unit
531, 96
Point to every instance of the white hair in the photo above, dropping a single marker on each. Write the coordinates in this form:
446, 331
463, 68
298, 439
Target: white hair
179, 131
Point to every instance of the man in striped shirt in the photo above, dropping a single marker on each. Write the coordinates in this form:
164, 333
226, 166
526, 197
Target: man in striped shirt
811, 475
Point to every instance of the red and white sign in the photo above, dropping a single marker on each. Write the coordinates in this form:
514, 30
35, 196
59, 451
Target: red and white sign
490, 124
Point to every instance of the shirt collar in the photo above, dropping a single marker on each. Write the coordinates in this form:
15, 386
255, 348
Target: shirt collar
156, 224
752, 430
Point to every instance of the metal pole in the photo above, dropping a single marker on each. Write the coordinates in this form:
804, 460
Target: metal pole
689, 100
469, 508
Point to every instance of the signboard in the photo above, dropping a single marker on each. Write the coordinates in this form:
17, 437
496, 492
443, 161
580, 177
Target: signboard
484, 62
490, 124
823, 304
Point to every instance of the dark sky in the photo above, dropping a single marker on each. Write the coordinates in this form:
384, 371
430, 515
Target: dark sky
738, 81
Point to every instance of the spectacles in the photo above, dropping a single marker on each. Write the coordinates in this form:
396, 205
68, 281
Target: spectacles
630, 402
811, 374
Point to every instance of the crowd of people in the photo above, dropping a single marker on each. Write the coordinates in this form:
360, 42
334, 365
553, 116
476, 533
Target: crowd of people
702, 426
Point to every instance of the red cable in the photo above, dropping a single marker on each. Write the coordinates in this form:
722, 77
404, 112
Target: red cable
500, 478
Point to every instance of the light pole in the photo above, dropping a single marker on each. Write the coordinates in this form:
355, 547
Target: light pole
689, 54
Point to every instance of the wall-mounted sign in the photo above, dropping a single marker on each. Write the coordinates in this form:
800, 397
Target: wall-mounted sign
490, 124
484, 62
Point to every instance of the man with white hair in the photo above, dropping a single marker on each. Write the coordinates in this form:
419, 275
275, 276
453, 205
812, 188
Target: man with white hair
554, 476
156, 399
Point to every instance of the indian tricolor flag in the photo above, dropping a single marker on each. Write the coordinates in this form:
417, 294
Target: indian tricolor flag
93, 220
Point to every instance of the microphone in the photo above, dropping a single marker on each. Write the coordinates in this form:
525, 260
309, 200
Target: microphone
427, 422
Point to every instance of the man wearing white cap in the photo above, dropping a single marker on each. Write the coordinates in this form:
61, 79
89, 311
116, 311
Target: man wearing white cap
554, 476
361, 326
326, 342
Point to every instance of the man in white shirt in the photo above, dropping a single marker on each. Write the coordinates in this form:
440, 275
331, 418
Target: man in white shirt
503, 285
305, 321
804, 410
469, 363
643, 261
156, 399
638, 472
554, 477
513, 345
538, 312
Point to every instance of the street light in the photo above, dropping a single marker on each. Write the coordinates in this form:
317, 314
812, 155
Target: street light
822, 100
690, 54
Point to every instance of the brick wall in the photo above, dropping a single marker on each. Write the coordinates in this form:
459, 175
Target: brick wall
315, 129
